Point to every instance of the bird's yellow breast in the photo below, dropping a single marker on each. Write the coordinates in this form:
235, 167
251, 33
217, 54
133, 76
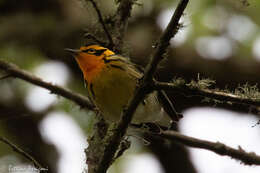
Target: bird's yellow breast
112, 89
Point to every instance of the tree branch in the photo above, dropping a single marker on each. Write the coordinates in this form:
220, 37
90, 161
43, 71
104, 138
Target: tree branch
101, 20
121, 22
163, 43
217, 147
24, 154
141, 90
195, 91
14, 71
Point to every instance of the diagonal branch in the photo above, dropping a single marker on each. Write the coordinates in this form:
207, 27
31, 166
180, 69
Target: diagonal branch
142, 89
217, 147
164, 41
101, 20
15, 71
194, 91
23, 153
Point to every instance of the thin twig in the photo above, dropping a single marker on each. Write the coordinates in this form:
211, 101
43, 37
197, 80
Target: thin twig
141, 90
14, 71
239, 154
218, 95
23, 153
101, 20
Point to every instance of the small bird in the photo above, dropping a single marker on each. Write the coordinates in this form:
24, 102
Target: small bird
111, 81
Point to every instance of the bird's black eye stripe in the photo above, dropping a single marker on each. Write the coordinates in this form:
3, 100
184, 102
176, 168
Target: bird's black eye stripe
99, 52
94, 51
91, 50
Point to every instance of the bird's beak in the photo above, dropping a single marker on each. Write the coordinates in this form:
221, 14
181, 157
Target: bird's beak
74, 52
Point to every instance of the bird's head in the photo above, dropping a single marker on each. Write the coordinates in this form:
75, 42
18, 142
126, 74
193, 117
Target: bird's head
91, 59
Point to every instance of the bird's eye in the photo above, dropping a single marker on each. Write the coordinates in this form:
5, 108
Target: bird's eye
91, 51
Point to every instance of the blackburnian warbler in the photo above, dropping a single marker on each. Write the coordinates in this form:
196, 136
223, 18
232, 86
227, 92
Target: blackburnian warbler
111, 81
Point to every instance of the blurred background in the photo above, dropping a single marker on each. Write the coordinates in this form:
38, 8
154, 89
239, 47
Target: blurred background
220, 39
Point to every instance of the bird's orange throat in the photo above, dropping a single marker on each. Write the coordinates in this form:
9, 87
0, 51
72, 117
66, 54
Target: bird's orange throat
90, 67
